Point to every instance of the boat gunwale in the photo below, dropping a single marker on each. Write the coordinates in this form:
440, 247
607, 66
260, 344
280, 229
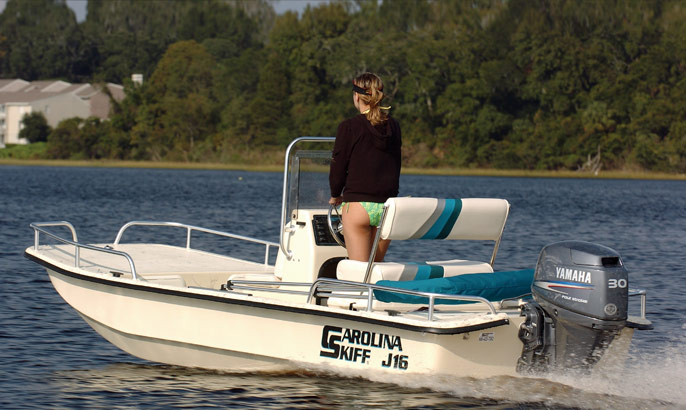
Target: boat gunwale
228, 299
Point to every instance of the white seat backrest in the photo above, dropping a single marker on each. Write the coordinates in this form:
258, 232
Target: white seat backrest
431, 218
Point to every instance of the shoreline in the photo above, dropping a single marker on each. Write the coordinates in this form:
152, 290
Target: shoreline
639, 175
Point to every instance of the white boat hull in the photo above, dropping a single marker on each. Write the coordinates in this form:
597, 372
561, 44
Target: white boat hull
191, 329
185, 354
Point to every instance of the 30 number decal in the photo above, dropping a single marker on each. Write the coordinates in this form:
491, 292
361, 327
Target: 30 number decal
616, 283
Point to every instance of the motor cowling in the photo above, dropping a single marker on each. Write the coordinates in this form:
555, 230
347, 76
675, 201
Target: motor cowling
580, 291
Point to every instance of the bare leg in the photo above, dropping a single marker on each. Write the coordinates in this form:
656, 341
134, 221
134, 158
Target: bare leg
357, 231
381, 249
359, 235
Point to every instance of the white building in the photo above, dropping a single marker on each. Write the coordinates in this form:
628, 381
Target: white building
57, 100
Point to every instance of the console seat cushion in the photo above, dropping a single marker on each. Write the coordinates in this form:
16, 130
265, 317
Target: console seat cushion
491, 286
354, 271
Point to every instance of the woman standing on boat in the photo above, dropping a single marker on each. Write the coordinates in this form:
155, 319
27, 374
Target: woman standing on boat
365, 168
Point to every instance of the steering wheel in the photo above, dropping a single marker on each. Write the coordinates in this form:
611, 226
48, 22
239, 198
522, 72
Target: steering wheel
335, 224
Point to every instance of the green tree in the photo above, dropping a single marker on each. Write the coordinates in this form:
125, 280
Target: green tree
268, 111
131, 36
227, 28
3, 47
43, 40
65, 140
35, 127
315, 94
179, 107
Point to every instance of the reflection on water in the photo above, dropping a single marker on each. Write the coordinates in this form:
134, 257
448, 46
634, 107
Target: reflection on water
163, 385
124, 385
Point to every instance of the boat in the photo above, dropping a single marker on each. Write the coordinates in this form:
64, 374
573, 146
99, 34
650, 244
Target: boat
305, 305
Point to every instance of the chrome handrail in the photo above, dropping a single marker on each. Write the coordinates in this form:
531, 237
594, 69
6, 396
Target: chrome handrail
284, 198
266, 286
232, 282
38, 229
53, 223
369, 287
642, 293
190, 229
375, 245
347, 286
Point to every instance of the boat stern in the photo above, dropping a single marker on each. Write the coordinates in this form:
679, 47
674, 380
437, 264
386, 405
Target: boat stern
580, 309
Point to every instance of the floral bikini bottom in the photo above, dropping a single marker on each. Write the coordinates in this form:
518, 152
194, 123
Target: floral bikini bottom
374, 210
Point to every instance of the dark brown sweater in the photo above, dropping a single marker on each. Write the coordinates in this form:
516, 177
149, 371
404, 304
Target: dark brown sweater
366, 160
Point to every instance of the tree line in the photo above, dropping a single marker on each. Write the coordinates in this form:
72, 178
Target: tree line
518, 84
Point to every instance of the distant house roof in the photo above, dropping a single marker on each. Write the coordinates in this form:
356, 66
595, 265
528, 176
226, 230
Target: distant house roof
12, 85
18, 91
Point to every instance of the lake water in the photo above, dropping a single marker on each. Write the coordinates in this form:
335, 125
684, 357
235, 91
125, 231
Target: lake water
50, 358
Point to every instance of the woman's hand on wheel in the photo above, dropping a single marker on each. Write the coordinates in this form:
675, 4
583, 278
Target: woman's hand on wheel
335, 200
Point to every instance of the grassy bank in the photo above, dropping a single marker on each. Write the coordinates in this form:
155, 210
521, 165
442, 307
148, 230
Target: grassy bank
31, 154
615, 174
279, 167
137, 164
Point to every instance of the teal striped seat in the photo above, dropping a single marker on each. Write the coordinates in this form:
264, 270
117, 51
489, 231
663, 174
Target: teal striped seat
432, 219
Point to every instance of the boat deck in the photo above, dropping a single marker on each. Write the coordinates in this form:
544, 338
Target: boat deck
203, 273
197, 268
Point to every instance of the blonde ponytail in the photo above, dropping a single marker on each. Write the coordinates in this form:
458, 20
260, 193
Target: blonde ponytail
370, 88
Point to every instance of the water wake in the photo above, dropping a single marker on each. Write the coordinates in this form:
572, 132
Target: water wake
650, 381
653, 381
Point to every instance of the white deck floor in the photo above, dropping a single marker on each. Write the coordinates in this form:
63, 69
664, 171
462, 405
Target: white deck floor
152, 260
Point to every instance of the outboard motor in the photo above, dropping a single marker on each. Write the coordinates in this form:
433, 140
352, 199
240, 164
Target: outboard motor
581, 301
